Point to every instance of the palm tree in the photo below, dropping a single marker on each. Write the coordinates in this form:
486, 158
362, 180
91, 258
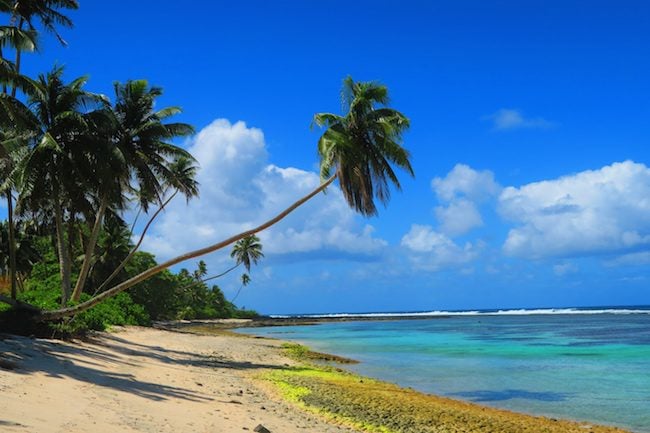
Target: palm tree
27, 255
148, 164
361, 147
245, 281
14, 117
46, 11
57, 173
183, 181
25, 12
247, 250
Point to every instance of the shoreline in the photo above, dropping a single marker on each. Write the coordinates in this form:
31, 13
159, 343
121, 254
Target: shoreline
327, 364
152, 380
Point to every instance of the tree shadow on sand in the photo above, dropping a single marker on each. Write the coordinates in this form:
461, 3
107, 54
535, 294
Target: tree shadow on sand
87, 363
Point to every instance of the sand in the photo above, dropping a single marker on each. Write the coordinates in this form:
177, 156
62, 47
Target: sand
144, 380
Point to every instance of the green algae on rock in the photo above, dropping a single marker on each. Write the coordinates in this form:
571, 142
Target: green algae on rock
380, 407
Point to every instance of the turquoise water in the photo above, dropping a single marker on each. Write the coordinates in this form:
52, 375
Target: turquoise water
591, 367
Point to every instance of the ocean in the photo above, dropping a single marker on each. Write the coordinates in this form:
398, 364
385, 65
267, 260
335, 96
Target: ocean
582, 364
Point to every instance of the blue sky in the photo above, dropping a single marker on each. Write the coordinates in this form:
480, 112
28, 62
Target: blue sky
530, 128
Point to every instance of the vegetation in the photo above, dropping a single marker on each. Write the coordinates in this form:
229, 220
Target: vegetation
76, 161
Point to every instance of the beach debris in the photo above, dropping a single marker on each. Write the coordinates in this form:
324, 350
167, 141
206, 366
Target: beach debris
261, 429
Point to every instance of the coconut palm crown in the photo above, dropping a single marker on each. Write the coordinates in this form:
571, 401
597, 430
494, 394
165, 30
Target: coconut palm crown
46, 11
247, 251
361, 147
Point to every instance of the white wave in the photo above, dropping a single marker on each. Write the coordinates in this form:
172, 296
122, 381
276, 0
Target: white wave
516, 312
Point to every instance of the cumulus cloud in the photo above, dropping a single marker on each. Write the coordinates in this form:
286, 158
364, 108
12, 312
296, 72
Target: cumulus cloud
432, 250
458, 217
240, 189
508, 119
602, 211
464, 181
460, 191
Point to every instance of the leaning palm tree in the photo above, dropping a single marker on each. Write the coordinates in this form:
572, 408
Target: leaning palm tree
245, 281
247, 250
360, 148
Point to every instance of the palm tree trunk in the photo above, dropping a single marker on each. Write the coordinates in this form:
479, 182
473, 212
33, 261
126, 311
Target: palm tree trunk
136, 246
18, 57
65, 312
90, 249
64, 258
10, 208
12, 244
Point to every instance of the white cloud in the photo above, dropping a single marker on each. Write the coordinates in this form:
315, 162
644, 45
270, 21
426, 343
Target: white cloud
240, 189
459, 217
463, 180
509, 119
632, 259
461, 190
433, 251
601, 211
562, 269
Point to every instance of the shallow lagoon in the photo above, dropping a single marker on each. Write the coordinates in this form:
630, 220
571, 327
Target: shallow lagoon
593, 367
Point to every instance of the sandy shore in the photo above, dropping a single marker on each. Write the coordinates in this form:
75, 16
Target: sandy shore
144, 380
151, 380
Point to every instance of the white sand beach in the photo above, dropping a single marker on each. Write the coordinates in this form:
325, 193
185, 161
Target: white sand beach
144, 380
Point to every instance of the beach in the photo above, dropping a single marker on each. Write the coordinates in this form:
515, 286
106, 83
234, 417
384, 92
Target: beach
144, 380
137, 379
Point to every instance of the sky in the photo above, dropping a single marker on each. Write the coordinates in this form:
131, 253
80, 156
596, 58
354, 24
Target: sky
530, 128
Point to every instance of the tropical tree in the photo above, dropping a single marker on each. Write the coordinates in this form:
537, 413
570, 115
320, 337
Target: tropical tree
15, 120
48, 12
246, 251
27, 254
57, 173
138, 137
245, 281
360, 148
24, 12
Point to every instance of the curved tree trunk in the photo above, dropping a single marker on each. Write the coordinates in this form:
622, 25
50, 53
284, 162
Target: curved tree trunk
90, 249
65, 312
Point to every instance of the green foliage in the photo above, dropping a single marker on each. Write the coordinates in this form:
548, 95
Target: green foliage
158, 294
364, 145
119, 310
183, 296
